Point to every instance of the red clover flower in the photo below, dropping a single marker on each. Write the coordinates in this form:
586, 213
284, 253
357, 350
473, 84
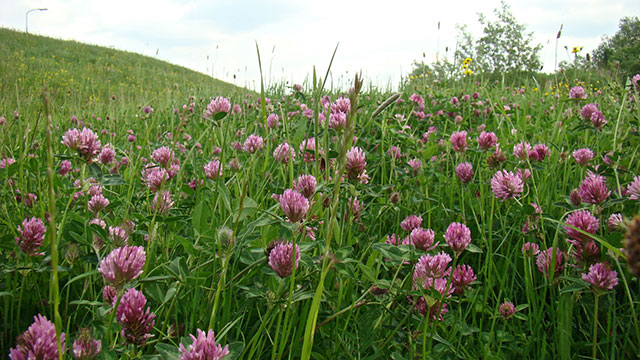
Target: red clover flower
281, 258
411, 222
458, 237
464, 171
38, 342
203, 347
294, 205
593, 189
122, 265
601, 277
422, 239
306, 185
31, 236
506, 185
136, 321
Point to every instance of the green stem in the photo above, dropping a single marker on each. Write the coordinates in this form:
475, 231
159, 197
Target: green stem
595, 327
54, 296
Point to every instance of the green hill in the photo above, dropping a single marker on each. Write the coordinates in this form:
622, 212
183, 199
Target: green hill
91, 76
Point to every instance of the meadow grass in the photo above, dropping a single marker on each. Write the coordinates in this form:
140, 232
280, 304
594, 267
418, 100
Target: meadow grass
357, 292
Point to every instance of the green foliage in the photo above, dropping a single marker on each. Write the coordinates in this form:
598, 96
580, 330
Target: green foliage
505, 46
622, 50
504, 49
92, 75
353, 296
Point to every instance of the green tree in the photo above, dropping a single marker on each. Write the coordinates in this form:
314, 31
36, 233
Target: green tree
505, 46
621, 50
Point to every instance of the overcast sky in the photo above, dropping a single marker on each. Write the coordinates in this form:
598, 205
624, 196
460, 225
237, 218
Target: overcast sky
381, 38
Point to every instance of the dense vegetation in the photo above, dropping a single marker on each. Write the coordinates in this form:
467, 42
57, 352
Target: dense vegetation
463, 218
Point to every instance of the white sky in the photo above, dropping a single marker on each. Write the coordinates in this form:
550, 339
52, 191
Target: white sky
381, 38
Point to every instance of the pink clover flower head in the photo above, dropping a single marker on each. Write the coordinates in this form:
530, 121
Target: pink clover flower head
521, 150
588, 110
577, 92
487, 140
118, 235
98, 222
107, 154
454, 100
539, 152
163, 156
212, 169
464, 171
308, 149
597, 119
462, 276
506, 185
543, 261
431, 311
284, 153
218, 105
393, 239
85, 347
38, 341
154, 177
615, 221
337, 120
203, 347
425, 136
507, 310
419, 100
459, 141
65, 167
584, 252
411, 222
6, 162
394, 152
415, 165
634, 189
432, 266
253, 143
593, 189
84, 141
356, 162
530, 249
422, 239
342, 104
524, 174
109, 294
136, 321
601, 277
281, 259
458, 237
635, 80
273, 121
122, 265
97, 203
306, 185
294, 205
31, 236
583, 220
583, 156
575, 198
162, 202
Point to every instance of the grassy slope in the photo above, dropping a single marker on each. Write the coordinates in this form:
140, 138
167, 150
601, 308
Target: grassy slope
92, 76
